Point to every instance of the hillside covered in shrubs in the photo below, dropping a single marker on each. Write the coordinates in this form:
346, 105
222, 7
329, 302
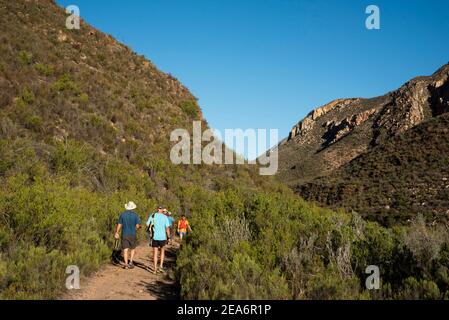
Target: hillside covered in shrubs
85, 127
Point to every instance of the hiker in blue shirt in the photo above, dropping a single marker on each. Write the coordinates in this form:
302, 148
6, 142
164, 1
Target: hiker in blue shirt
128, 223
161, 233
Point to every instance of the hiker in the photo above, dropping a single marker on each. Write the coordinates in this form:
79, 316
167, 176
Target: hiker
183, 226
128, 223
161, 233
171, 220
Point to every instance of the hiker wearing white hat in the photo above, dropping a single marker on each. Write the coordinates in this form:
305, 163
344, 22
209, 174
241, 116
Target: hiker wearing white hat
128, 223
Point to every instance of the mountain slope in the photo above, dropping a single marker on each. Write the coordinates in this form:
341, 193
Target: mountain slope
329, 141
85, 127
81, 89
397, 180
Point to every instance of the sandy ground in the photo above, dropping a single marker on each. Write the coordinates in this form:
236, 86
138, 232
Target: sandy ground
115, 283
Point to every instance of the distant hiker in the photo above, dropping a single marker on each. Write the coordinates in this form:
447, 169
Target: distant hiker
183, 226
161, 234
128, 223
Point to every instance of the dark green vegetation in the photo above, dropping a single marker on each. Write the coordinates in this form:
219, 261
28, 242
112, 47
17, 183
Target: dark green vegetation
84, 128
397, 180
276, 246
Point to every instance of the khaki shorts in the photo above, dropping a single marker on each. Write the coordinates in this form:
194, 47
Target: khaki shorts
129, 242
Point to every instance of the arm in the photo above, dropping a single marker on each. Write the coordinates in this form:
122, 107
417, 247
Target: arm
167, 231
188, 227
138, 223
167, 228
118, 227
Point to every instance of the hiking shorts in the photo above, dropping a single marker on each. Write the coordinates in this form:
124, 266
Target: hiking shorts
158, 243
129, 242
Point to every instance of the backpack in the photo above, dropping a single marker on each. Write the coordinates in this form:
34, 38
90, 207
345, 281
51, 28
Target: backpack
116, 256
150, 229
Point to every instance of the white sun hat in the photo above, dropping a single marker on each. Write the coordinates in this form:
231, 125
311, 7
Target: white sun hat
130, 206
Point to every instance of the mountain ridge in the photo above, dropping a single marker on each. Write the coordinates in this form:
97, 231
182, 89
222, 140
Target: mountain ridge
332, 136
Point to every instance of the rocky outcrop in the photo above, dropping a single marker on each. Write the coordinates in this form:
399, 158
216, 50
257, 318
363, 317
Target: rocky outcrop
346, 127
336, 130
308, 122
417, 101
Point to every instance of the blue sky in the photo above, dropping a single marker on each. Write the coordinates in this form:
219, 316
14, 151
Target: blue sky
267, 63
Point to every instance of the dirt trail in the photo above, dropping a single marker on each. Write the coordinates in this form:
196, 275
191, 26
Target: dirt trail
115, 283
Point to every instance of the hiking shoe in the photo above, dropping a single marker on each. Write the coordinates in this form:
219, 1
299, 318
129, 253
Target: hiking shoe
151, 270
131, 265
126, 267
162, 269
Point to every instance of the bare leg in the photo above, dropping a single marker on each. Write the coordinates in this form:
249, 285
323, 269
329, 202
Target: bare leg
155, 258
125, 256
132, 255
162, 256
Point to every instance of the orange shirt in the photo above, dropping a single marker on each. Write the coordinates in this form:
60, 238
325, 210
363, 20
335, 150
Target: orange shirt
183, 225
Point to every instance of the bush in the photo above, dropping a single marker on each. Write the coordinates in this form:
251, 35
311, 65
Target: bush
45, 70
190, 108
34, 123
329, 286
83, 98
425, 243
65, 83
28, 96
419, 289
69, 156
25, 57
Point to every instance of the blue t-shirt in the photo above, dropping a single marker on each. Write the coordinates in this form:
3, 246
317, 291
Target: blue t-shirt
161, 223
171, 220
129, 220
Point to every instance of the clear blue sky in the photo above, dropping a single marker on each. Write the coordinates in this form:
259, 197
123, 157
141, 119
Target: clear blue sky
267, 63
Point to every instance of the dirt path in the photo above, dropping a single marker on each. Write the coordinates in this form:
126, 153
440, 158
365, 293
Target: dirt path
115, 283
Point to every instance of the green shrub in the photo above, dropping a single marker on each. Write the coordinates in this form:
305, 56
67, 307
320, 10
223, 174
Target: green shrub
70, 156
329, 286
190, 108
25, 57
83, 98
45, 70
65, 83
28, 96
34, 122
419, 290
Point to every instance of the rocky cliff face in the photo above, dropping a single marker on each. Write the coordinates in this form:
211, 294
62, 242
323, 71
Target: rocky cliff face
331, 137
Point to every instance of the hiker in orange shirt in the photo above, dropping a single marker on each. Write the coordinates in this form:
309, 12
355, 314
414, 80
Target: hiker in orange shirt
183, 226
